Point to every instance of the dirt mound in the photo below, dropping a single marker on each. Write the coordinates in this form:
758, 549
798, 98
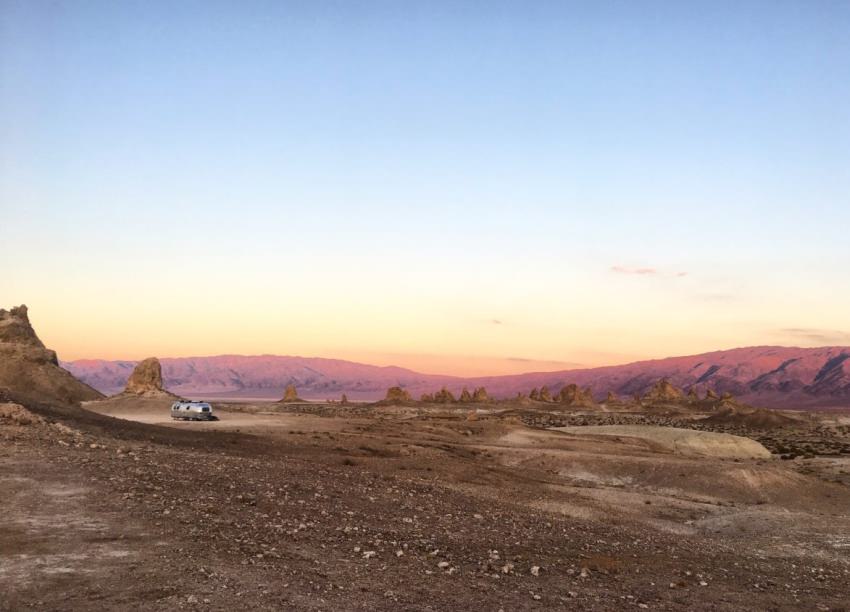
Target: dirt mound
751, 418
146, 380
28, 370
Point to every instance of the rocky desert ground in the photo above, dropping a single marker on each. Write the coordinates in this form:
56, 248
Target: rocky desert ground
671, 503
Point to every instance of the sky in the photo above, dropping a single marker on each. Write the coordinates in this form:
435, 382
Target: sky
455, 187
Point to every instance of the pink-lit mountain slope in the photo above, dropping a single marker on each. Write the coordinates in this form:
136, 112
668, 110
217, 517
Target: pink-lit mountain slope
780, 377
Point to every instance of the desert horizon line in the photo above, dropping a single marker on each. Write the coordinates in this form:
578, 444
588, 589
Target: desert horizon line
578, 368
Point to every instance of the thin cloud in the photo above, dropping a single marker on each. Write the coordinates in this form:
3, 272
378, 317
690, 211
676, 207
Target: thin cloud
635, 271
716, 297
820, 336
569, 364
646, 272
495, 321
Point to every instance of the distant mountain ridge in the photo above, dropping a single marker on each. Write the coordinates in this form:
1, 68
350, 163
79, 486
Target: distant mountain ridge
770, 376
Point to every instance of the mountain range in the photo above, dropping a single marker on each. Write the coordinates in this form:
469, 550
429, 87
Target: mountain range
769, 376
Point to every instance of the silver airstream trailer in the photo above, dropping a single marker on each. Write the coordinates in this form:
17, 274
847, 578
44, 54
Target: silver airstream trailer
192, 411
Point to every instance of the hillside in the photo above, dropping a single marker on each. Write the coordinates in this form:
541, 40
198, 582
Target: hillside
29, 370
260, 376
778, 377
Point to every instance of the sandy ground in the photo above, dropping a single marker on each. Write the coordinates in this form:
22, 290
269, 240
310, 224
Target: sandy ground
402, 508
685, 442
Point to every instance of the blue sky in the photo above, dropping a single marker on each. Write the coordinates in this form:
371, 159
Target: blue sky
427, 168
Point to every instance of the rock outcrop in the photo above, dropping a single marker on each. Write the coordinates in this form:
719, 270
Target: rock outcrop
480, 396
397, 395
545, 396
711, 395
15, 328
534, 395
343, 401
663, 392
146, 380
692, 395
426, 398
290, 394
29, 371
612, 398
444, 396
573, 395
465, 395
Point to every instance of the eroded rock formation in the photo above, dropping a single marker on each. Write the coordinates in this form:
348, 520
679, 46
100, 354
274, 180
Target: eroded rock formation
663, 391
444, 396
480, 395
290, 394
146, 379
573, 395
29, 370
397, 394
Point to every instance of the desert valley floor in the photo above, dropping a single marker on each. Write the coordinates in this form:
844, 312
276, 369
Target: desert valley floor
420, 507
